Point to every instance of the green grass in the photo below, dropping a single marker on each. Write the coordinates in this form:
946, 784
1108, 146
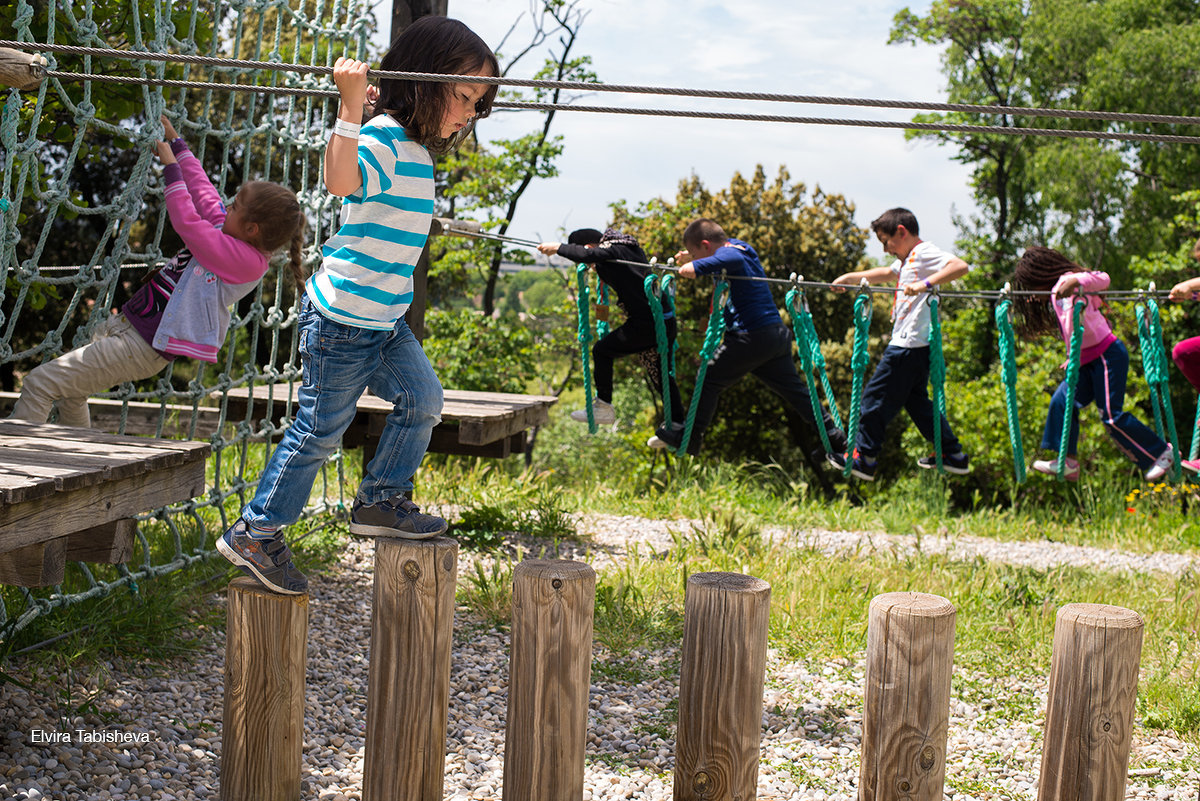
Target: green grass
1005, 613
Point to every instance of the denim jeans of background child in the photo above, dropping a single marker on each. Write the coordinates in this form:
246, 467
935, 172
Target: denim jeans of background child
1102, 380
116, 354
341, 361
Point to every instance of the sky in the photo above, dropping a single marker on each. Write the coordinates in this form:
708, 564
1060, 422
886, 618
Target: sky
787, 46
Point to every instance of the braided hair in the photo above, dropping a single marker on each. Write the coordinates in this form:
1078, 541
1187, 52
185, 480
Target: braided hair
1038, 271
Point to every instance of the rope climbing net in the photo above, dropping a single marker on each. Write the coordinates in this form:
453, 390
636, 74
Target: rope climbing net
54, 142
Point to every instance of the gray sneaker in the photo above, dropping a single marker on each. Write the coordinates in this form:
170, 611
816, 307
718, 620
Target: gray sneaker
267, 559
395, 517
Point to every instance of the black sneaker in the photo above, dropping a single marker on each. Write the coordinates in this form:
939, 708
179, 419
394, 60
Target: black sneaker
395, 517
837, 439
957, 463
267, 559
859, 469
667, 437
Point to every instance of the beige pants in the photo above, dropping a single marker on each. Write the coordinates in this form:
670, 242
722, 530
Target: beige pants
116, 354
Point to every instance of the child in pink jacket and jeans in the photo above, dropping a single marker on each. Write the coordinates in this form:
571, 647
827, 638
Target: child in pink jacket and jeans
1104, 362
183, 308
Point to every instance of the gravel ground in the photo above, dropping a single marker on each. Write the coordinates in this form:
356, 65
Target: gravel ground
169, 717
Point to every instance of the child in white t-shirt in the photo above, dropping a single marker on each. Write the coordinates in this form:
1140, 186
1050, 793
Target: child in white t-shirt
901, 378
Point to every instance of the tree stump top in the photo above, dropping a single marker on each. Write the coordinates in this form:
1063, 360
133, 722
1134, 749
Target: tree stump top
729, 582
1111, 617
567, 569
914, 603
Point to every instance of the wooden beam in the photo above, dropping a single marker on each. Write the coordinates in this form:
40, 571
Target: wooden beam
110, 543
42, 564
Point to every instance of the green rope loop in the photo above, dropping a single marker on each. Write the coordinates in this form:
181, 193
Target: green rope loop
937, 378
712, 340
602, 327
583, 307
1074, 349
653, 292
1008, 365
1154, 363
809, 350
858, 363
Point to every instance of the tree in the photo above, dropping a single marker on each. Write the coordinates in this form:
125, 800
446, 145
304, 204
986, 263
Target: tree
491, 179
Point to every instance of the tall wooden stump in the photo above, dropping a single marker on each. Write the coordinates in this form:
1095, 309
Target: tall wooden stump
721, 686
1089, 715
263, 730
548, 680
408, 686
906, 701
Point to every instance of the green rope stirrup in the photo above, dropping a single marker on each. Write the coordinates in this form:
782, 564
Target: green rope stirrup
601, 309
1008, 365
1072, 378
808, 347
1154, 363
712, 340
858, 363
583, 305
937, 378
655, 290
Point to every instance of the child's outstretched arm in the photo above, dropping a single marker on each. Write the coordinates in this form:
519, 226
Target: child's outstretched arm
205, 198
876, 275
1185, 290
955, 268
342, 174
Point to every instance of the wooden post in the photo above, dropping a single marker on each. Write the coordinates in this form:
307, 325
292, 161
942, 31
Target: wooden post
906, 701
408, 686
263, 730
724, 664
1089, 714
548, 680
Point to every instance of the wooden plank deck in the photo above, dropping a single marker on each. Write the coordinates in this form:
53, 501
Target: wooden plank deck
70, 490
473, 423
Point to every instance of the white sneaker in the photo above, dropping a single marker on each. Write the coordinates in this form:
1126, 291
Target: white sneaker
602, 412
1161, 465
1050, 468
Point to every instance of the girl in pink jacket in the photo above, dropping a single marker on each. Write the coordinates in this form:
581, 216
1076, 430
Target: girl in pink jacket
182, 309
1104, 362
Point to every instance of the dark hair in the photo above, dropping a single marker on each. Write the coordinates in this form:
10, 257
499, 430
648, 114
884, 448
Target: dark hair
704, 228
890, 220
585, 236
436, 45
280, 220
1038, 270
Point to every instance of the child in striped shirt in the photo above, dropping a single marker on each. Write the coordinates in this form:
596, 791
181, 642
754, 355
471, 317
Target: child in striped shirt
353, 333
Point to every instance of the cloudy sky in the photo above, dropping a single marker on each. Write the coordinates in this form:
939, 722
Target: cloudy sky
787, 46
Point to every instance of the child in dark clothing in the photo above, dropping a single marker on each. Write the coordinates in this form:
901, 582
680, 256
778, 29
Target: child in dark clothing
617, 258
756, 339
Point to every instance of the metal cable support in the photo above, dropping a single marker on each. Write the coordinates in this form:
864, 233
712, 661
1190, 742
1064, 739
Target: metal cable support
650, 112
585, 86
964, 294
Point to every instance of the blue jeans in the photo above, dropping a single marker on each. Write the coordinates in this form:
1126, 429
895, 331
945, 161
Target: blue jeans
1102, 380
340, 361
900, 381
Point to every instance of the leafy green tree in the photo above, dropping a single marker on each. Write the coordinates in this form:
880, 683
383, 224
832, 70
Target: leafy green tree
490, 180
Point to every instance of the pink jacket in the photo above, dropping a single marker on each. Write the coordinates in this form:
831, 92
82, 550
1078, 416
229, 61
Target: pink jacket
1097, 333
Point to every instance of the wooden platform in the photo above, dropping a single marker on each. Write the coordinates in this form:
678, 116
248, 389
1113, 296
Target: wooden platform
473, 423
68, 493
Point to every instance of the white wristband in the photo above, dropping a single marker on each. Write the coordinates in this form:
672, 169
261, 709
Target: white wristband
346, 129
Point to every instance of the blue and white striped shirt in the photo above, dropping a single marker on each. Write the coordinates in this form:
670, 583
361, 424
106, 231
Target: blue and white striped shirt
365, 278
